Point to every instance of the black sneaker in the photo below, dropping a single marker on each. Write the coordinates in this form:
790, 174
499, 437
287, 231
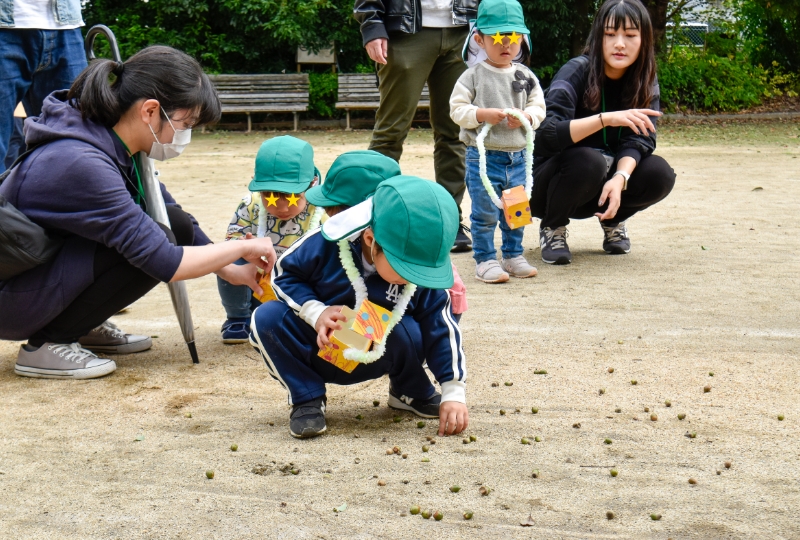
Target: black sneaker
616, 241
554, 245
308, 419
463, 242
426, 408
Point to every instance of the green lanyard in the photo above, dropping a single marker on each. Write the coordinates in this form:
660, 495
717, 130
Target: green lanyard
139, 187
605, 142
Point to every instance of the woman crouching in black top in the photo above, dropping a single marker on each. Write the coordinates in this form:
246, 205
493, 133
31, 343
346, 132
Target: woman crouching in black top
594, 151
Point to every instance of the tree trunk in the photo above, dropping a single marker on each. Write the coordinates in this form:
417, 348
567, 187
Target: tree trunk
658, 16
584, 13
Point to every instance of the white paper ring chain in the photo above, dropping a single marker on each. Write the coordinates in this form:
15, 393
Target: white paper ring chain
528, 156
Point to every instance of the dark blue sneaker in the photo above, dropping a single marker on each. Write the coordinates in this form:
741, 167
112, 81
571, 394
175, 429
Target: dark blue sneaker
616, 240
308, 419
426, 408
236, 331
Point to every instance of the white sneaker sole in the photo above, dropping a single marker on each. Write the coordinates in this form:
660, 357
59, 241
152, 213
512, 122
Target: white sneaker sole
236, 341
395, 403
296, 436
501, 279
127, 348
83, 373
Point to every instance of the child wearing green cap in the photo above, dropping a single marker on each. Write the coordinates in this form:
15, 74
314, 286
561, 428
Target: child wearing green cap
276, 208
394, 251
352, 179
498, 47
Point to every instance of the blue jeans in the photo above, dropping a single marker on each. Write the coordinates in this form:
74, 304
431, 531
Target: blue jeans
505, 170
33, 64
237, 300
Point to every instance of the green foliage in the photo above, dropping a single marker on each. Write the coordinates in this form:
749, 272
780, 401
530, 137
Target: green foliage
771, 31
322, 91
699, 81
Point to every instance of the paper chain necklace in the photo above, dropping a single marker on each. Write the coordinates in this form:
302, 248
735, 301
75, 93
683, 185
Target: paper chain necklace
528, 157
349, 265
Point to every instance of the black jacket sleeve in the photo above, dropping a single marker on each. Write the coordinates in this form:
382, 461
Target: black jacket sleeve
561, 100
639, 146
370, 15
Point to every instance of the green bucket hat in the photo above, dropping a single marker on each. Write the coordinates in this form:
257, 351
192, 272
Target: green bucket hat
503, 16
415, 223
284, 164
352, 178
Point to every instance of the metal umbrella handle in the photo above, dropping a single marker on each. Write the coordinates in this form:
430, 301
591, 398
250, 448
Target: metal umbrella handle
156, 208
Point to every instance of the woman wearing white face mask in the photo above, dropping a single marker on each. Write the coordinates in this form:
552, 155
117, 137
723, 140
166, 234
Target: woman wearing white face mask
80, 184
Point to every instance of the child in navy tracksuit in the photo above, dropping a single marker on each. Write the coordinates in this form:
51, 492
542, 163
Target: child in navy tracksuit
400, 236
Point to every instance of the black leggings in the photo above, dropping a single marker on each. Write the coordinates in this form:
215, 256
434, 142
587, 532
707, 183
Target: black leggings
569, 184
117, 284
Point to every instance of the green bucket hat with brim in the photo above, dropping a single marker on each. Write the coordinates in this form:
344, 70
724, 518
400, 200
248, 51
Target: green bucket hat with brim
352, 178
415, 223
284, 164
503, 16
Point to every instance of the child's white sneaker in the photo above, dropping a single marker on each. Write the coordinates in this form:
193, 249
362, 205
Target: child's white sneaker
490, 272
518, 267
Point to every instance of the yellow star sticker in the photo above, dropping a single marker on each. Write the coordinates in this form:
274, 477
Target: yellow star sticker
498, 38
293, 200
514, 37
272, 200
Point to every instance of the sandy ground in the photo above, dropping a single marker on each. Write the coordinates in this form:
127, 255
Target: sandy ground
710, 286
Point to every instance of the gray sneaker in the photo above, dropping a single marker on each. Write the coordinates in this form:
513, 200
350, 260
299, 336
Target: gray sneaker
61, 361
490, 272
616, 241
108, 339
518, 267
554, 245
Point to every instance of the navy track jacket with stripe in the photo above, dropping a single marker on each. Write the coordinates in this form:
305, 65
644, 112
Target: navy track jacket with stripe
309, 277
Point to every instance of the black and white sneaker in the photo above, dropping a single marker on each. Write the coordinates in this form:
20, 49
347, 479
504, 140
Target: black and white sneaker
554, 245
616, 241
308, 419
462, 242
426, 408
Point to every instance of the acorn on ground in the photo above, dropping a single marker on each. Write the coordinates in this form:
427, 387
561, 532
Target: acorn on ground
710, 373
467, 515
465, 440
707, 388
414, 510
375, 402
668, 403
381, 482
611, 370
535, 473
438, 515
633, 382
780, 417
426, 460
692, 481
525, 440
617, 410
728, 464
295, 471
405, 456
484, 491
540, 372
693, 435
495, 385
389, 452
681, 416
653, 417
655, 517
502, 412
426, 514
473, 438
455, 489
576, 425
359, 417
397, 419
234, 447
509, 383
601, 391
537, 439
534, 410
210, 475
420, 424
610, 515
425, 448
396, 450
607, 441
614, 473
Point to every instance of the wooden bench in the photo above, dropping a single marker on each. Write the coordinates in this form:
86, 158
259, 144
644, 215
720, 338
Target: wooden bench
358, 91
262, 93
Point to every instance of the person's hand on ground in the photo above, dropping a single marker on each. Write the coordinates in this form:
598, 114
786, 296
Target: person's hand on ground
453, 418
514, 123
328, 322
492, 116
259, 249
378, 49
636, 119
612, 191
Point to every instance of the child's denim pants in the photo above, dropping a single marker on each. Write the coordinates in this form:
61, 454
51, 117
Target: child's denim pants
237, 300
505, 170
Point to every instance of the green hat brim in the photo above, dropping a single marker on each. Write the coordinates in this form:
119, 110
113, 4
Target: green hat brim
504, 29
440, 277
316, 197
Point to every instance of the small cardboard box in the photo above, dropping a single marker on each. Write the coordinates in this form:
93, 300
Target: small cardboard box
516, 207
347, 337
266, 285
371, 321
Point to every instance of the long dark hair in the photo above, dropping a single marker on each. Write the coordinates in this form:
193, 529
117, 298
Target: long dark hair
173, 78
640, 77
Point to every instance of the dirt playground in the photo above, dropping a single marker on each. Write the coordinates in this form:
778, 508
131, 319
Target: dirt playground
708, 297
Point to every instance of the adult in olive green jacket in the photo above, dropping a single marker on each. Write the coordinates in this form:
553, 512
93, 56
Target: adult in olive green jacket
414, 42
